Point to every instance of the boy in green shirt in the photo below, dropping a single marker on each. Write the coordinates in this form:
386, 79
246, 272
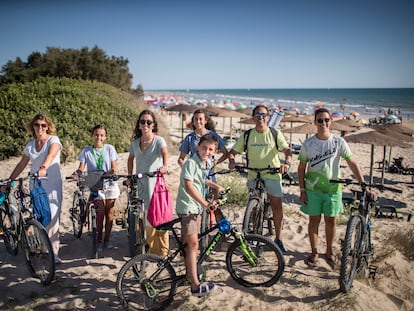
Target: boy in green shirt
190, 202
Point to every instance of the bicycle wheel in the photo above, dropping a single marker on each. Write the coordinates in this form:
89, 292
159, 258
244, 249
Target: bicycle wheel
94, 232
9, 225
350, 253
77, 215
205, 224
38, 251
146, 282
269, 218
135, 225
268, 266
253, 218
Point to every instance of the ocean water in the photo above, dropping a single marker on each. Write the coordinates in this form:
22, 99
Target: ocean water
368, 102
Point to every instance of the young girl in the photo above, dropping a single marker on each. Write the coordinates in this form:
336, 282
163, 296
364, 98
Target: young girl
102, 157
150, 154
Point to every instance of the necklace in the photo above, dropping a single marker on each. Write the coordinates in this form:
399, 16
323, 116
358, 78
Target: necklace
146, 141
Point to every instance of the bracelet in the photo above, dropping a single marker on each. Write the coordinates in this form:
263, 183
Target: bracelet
43, 166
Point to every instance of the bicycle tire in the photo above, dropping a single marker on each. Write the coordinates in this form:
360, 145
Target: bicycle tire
38, 251
253, 218
350, 253
270, 262
205, 240
134, 281
94, 232
77, 210
9, 225
269, 218
132, 235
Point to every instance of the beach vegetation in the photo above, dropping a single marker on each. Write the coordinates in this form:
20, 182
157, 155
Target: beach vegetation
403, 240
75, 106
83, 64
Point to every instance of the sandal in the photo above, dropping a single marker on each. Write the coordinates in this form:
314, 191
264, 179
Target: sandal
311, 261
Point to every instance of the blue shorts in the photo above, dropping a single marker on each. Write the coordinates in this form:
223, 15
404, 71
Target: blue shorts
328, 204
272, 187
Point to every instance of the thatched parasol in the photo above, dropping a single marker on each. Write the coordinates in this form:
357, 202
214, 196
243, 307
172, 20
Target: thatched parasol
374, 138
395, 131
182, 108
226, 113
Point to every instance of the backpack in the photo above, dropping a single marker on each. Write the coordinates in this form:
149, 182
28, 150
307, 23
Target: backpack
40, 203
246, 138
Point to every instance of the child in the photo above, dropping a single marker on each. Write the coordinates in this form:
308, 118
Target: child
190, 202
102, 157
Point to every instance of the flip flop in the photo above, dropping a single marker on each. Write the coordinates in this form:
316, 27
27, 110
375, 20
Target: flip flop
311, 261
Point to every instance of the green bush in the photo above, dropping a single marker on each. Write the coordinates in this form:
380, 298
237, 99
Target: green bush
75, 106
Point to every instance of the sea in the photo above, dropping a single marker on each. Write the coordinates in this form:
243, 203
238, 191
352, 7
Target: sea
368, 102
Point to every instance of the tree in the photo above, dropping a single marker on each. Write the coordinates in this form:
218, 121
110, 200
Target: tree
82, 64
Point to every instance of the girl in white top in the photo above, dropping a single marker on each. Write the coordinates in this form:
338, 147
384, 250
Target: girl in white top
102, 157
44, 154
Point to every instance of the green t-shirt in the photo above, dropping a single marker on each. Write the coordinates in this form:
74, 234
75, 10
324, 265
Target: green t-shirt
262, 151
323, 158
193, 170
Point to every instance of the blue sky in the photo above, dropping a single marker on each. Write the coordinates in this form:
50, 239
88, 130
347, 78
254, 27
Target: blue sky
227, 44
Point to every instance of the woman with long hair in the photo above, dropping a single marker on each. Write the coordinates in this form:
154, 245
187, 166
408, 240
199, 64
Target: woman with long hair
149, 153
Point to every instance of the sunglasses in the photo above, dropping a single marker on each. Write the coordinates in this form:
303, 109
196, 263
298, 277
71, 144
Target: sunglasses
320, 121
148, 122
260, 115
42, 125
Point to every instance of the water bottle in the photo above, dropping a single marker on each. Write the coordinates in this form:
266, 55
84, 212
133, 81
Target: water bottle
275, 118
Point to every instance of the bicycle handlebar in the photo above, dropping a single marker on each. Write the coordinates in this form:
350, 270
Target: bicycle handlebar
348, 181
271, 170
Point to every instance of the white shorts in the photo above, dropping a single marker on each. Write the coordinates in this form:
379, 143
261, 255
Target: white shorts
109, 191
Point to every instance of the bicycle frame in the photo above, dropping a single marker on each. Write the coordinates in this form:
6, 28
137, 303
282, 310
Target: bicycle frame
357, 246
262, 211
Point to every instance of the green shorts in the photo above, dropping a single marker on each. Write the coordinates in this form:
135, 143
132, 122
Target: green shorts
272, 187
328, 204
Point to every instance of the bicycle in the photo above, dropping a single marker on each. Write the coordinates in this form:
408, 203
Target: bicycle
136, 215
149, 282
19, 226
258, 211
83, 211
357, 248
208, 215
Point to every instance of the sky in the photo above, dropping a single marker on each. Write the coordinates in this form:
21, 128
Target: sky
212, 44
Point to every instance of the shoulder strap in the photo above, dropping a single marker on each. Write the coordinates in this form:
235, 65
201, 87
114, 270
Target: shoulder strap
246, 138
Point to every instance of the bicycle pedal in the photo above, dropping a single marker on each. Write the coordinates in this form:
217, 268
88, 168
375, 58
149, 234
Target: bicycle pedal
372, 271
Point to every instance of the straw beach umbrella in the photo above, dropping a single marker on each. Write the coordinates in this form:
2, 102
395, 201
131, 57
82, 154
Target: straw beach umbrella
182, 108
226, 113
395, 131
374, 138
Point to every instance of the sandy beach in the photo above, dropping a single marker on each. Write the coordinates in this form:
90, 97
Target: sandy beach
82, 283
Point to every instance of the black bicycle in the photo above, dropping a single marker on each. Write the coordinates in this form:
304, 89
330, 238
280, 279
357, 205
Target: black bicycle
135, 215
258, 214
149, 282
357, 247
19, 226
